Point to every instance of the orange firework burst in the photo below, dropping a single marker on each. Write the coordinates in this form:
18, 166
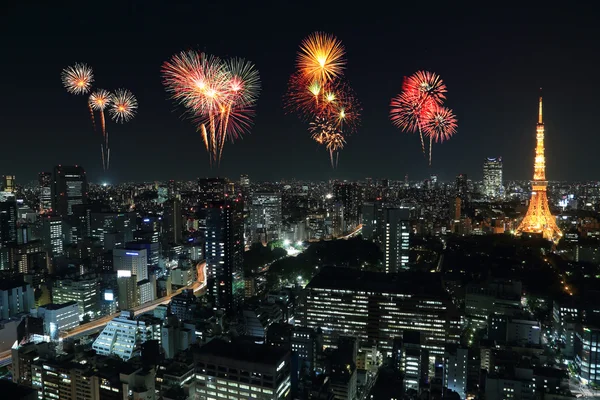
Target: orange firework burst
100, 99
123, 105
77, 79
317, 93
321, 57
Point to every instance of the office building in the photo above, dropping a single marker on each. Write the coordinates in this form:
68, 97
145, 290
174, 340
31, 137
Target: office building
519, 329
59, 318
265, 217
123, 335
455, 370
45, 191
69, 187
53, 235
492, 178
8, 222
84, 291
172, 221
395, 239
152, 250
587, 353
306, 344
373, 218
183, 305
182, 276
15, 297
350, 197
224, 251
378, 307
462, 186
242, 371
132, 260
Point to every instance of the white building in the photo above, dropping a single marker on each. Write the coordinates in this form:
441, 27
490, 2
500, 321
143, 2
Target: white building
53, 235
59, 317
455, 370
123, 334
134, 261
265, 216
182, 276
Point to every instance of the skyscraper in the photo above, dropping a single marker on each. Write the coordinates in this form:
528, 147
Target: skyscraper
69, 187
45, 191
350, 196
492, 177
395, 239
8, 222
265, 216
224, 251
53, 235
133, 261
462, 186
172, 220
539, 219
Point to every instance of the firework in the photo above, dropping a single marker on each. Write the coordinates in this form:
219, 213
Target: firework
218, 95
439, 124
303, 96
321, 129
321, 57
77, 79
123, 105
334, 143
426, 85
100, 99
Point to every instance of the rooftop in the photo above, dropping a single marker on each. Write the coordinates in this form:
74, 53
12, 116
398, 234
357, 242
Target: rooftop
399, 283
53, 306
249, 352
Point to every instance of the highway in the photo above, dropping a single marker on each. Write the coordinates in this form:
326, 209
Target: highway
97, 324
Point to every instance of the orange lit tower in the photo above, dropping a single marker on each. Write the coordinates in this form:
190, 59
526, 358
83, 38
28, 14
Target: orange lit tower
538, 219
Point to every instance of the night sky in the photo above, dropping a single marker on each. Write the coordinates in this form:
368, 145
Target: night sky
493, 62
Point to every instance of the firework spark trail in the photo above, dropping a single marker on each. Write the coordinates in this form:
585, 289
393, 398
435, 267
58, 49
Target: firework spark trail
92, 116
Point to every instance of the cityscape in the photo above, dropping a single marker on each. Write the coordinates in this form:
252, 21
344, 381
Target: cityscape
424, 272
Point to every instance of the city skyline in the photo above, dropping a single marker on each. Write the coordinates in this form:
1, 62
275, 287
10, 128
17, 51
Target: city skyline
493, 79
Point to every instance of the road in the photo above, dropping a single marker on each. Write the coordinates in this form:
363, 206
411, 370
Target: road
355, 232
97, 324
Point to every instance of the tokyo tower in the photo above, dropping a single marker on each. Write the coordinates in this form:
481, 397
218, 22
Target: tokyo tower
538, 219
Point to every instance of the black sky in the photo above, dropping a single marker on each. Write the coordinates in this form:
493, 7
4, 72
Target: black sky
493, 61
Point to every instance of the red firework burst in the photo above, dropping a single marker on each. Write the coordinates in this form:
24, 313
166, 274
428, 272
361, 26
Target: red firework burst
426, 84
439, 124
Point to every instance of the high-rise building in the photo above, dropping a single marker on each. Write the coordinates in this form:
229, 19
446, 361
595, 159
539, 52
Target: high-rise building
350, 196
224, 251
587, 353
395, 239
372, 221
8, 183
462, 186
492, 178
244, 181
15, 297
45, 191
539, 219
69, 187
242, 371
173, 221
8, 222
133, 261
379, 307
53, 235
455, 370
265, 217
